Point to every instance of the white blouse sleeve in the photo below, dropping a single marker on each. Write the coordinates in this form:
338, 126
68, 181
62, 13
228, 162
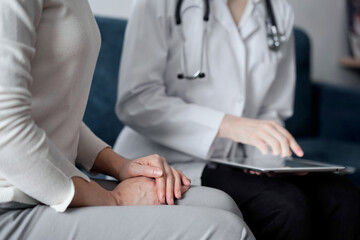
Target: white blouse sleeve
89, 147
29, 160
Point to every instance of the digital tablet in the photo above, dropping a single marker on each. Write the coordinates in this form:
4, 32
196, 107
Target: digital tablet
274, 164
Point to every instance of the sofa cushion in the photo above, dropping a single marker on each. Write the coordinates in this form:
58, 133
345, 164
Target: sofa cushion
333, 151
301, 123
339, 112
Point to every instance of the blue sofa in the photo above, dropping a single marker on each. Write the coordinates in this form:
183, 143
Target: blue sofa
326, 121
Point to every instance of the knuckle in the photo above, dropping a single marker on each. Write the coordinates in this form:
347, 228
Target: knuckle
157, 156
263, 128
273, 122
149, 184
153, 186
131, 167
170, 183
275, 143
176, 177
284, 141
253, 137
292, 139
171, 178
261, 146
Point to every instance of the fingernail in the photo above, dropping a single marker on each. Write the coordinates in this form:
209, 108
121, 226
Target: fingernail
158, 172
170, 200
301, 153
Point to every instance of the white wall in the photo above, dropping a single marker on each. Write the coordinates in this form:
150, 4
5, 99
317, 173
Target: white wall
323, 20
111, 8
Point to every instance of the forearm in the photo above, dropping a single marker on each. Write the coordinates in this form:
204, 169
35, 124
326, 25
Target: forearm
89, 147
109, 163
90, 194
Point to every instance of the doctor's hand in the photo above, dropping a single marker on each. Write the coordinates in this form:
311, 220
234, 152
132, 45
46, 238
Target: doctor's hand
169, 181
261, 134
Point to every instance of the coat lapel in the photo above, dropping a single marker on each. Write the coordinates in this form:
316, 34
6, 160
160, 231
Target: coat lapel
222, 14
249, 23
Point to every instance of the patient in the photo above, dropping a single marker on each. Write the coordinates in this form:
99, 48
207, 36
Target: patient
48, 51
218, 89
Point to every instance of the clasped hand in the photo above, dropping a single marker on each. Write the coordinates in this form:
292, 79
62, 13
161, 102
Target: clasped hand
162, 178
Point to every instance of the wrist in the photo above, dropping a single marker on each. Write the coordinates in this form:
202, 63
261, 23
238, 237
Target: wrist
113, 199
90, 194
109, 163
225, 127
116, 164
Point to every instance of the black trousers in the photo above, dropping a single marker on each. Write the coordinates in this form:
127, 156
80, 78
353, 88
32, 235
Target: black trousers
315, 206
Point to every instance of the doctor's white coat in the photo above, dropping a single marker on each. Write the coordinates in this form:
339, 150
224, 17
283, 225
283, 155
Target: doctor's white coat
179, 119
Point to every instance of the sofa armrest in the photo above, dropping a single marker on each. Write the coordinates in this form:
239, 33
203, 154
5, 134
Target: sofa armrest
338, 112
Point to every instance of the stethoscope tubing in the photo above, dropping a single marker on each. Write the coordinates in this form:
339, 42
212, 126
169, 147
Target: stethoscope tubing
179, 3
275, 38
270, 12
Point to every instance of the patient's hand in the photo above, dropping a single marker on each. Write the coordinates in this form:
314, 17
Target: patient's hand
170, 184
136, 191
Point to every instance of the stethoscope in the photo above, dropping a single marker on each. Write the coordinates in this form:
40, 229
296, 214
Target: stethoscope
274, 37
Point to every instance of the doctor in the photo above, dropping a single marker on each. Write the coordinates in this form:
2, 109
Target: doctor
192, 88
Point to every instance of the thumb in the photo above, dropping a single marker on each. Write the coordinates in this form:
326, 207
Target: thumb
147, 171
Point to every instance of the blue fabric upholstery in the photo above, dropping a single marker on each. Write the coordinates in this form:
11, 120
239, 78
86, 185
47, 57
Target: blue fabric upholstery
339, 113
333, 151
326, 118
100, 114
301, 123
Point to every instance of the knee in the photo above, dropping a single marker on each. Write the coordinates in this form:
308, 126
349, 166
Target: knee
346, 191
219, 200
210, 198
292, 207
342, 196
230, 226
289, 212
